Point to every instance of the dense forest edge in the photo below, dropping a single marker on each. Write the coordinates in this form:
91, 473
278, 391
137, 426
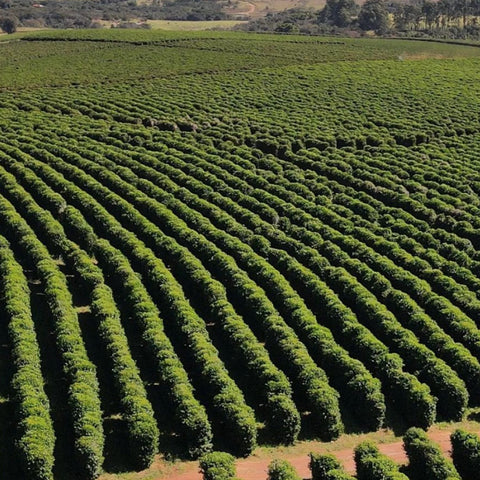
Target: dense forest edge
447, 19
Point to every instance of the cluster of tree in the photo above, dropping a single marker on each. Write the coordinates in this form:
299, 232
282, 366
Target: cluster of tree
87, 13
436, 15
337, 16
446, 18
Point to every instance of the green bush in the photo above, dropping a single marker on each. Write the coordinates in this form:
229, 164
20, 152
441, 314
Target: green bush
321, 465
217, 466
338, 475
466, 454
425, 458
372, 465
281, 470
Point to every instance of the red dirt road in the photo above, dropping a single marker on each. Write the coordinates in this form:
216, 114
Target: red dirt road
256, 468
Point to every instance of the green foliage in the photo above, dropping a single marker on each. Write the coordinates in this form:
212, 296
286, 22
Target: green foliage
425, 458
321, 465
373, 16
83, 400
281, 470
35, 439
217, 466
372, 465
466, 453
9, 24
338, 12
270, 264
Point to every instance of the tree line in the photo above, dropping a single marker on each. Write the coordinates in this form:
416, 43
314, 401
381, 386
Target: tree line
93, 14
445, 18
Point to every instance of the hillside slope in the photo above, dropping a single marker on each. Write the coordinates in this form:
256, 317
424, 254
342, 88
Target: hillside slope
216, 240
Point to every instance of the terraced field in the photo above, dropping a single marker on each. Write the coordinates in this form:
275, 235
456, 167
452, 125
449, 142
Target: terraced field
224, 240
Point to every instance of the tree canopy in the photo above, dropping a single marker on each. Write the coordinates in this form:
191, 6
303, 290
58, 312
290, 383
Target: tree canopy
339, 12
8, 24
373, 16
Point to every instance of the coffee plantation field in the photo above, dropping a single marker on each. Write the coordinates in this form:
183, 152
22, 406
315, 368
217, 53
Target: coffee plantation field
223, 240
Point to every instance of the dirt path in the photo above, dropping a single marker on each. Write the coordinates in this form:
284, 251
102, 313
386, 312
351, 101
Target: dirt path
253, 468
251, 9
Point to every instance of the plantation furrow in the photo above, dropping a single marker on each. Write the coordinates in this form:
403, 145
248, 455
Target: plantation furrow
35, 436
308, 378
426, 414
371, 211
455, 354
368, 169
454, 292
354, 206
136, 409
395, 204
83, 397
202, 253
460, 325
460, 295
224, 395
289, 301
189, 414
436, 373
326, 349
277, 391
276, 394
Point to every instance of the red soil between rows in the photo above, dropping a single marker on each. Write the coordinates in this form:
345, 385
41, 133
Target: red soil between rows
256, 469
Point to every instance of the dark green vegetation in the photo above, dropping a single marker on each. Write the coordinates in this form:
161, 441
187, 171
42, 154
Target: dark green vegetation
372, 465
326, 467
447, 19
281, 470
214, 241
87, 13
426, 18
466, 453
425, 460
218, 466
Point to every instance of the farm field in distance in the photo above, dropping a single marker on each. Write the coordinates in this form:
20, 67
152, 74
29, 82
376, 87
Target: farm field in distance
219, 240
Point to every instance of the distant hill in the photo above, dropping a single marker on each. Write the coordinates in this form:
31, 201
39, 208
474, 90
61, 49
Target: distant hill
85, 13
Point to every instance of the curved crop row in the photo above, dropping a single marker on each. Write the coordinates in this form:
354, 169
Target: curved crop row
36, 438
83, 398
225, 396
141, 426
347, 375
319, 394
279, 406
236, 247
453, 353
